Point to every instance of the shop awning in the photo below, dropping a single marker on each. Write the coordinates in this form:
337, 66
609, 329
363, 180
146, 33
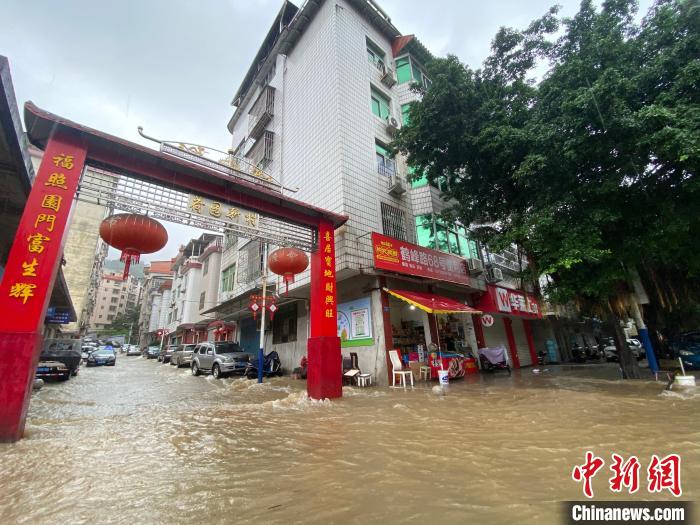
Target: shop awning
433, 304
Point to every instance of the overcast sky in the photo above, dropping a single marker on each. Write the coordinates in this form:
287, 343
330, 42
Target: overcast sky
173, 66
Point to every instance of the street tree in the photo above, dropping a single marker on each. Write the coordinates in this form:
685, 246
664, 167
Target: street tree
592, 171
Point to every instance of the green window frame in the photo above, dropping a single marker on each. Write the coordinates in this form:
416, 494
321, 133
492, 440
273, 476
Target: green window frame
419, 182
425, 231
380, 105
405, 108
227, 278
375, 56
403, 70
385, 164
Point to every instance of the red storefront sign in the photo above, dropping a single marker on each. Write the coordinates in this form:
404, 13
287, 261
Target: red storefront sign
323, 290
511, 302
403, 257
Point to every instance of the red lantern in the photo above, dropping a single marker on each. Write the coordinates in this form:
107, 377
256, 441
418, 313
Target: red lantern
288, 262
133, 234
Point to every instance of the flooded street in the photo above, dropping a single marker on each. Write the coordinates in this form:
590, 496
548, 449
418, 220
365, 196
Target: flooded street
148, 443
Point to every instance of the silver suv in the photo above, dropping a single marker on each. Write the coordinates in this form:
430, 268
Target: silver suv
182, 355
220, 358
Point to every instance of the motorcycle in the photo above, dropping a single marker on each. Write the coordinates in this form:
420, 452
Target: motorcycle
272, 366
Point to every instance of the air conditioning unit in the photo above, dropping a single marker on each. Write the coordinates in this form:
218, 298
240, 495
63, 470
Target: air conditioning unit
392, 125
397, 187
476, 266
494, 275
388, 77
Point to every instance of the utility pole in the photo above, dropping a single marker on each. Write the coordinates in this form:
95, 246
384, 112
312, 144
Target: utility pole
261, 349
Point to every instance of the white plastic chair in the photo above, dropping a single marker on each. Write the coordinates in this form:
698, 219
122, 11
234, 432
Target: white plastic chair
398, 370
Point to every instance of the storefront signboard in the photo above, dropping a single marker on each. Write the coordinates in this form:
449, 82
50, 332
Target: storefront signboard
511, 302
403, 257
355, 323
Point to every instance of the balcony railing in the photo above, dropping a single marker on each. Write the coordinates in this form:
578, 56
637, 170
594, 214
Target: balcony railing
261, 113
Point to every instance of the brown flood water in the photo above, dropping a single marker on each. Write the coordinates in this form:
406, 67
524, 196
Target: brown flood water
148, 443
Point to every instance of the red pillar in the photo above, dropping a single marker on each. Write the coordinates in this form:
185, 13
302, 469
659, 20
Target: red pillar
478, 331
29, 277
325, 369
530, 341
511, 342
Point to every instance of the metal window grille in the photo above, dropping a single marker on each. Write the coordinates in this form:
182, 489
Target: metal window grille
261, 113
261, 153
393, 222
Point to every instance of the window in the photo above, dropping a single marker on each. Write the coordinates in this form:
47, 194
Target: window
112, 308
99, 317
385, 165
230, 239
202, 297
405, 108
449, 238
375, 56
227, 278
380, 104
110, 317
205, 266
403, 70
407, 69
284, 325
393, 222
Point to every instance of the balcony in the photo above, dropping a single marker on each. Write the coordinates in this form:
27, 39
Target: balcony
261, 113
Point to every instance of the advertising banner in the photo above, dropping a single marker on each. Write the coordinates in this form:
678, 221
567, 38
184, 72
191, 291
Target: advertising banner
355, 323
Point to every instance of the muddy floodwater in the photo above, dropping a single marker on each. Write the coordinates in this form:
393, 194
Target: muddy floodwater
148, 443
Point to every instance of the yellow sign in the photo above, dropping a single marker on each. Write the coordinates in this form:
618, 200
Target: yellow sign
204, 207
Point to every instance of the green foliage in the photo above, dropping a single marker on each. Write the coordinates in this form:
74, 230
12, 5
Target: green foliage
122, 323
591, 171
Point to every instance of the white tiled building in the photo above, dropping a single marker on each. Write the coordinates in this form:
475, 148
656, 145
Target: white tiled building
316, 111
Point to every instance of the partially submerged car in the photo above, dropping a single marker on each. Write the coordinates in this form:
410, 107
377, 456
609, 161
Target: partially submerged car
52, 370
182, 356
66, 351
687, 347
102, 356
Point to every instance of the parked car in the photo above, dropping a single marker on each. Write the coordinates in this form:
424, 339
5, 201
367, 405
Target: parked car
85, 352
687, 347
66, 351
133, 350
182, 355
52, 370
220, 358
633, 344
152, 352
166, 353
103, 356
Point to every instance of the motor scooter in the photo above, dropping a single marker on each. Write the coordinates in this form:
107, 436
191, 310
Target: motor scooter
272, 366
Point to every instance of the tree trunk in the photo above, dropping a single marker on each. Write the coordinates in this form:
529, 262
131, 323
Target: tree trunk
628, 363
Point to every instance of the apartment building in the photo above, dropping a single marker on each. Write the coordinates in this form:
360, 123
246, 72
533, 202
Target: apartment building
115, 296
317, 111
155, 303
195, 289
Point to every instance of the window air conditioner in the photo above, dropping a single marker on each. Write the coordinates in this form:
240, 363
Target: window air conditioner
392, 125
397, 188
476, 266
388, 77
494, 275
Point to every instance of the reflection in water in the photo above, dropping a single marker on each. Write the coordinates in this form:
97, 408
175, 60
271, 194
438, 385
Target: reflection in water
147, 443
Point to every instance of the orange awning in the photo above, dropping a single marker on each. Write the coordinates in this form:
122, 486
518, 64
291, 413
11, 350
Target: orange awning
433, 304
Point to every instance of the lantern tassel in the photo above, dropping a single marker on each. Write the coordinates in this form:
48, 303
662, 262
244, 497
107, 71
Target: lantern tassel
127, 257
288, 278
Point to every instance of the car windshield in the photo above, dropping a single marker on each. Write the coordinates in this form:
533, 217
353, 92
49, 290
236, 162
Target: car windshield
103, 351
227, 348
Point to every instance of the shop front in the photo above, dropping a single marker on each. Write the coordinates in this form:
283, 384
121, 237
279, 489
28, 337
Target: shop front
221, 331
507, 322
425, 298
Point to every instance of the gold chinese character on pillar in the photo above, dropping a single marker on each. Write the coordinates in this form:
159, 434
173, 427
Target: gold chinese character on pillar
52, 202
57, 180
22, 291
63, 161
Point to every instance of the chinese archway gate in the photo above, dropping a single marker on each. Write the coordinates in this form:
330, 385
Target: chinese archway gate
175, 184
